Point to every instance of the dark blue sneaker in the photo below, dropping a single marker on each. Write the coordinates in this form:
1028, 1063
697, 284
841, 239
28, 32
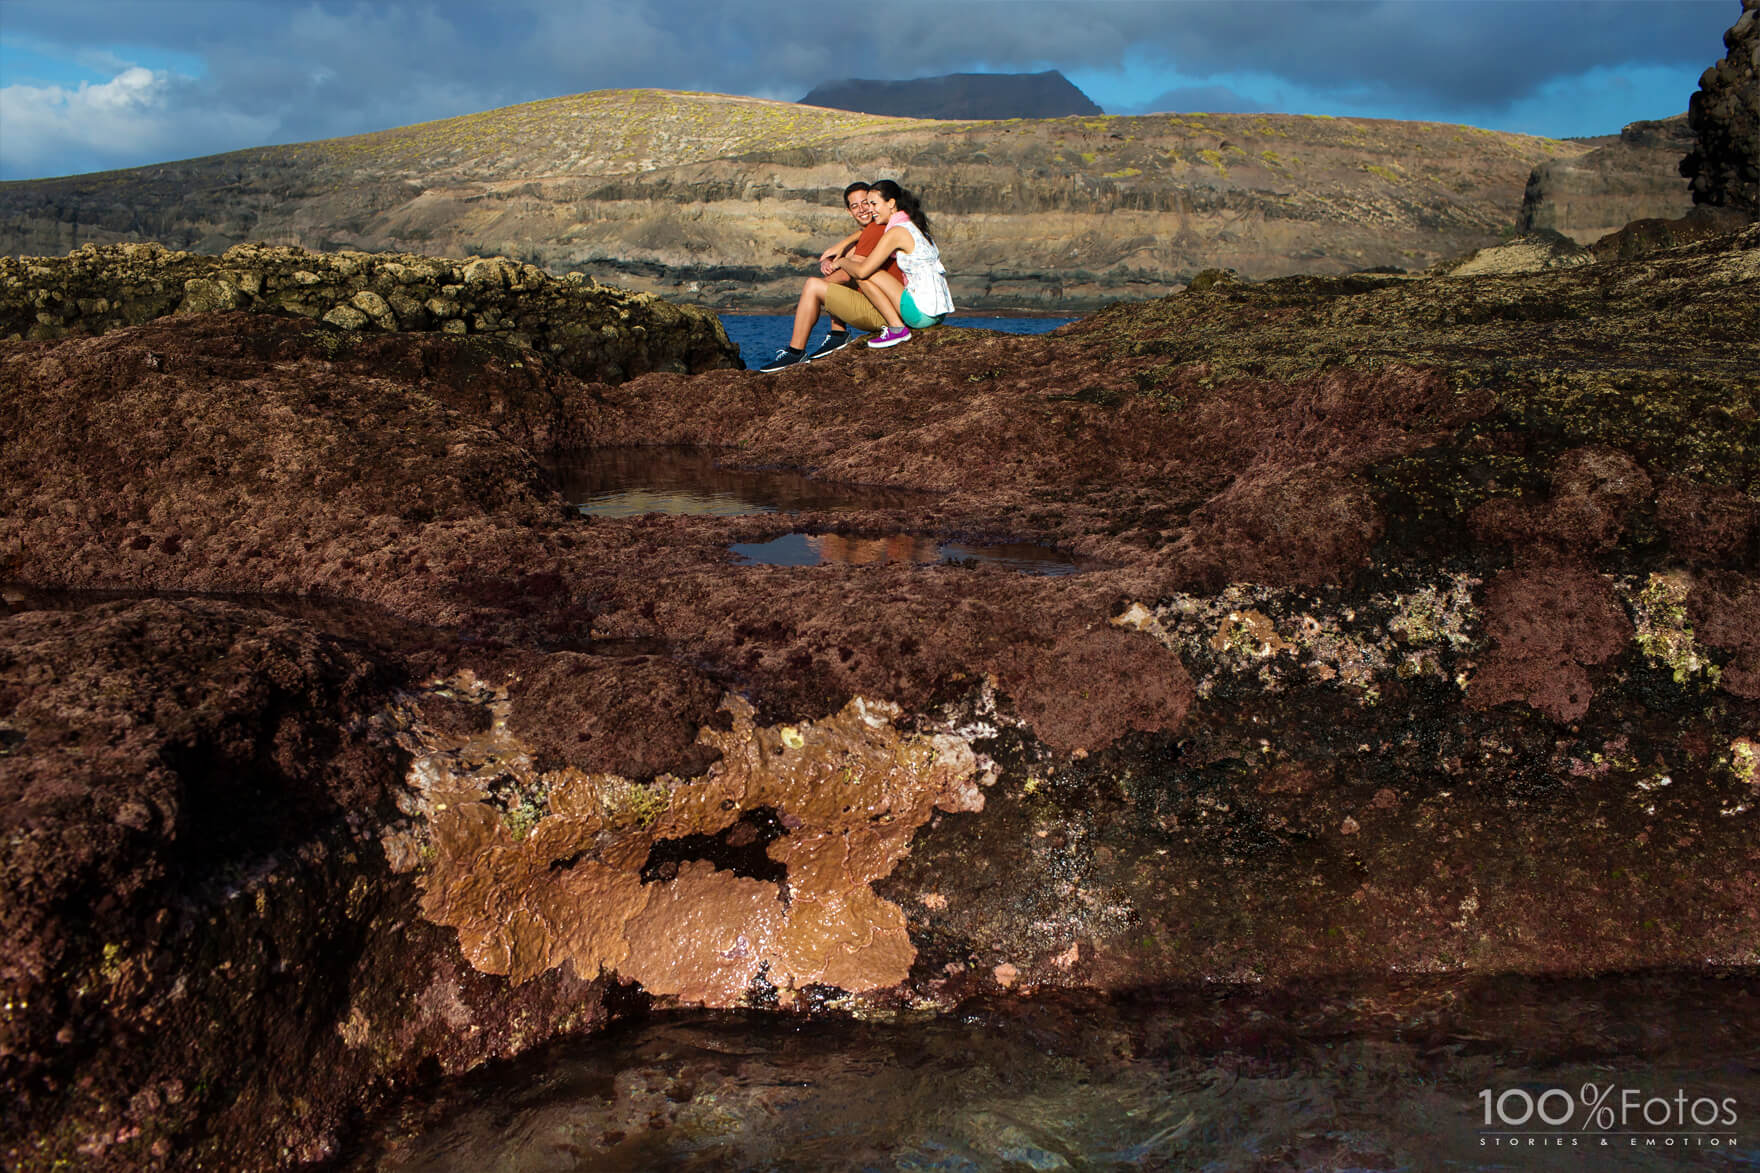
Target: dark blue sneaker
787, 357
834, 342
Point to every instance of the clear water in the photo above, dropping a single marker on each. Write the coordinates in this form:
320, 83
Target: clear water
1331, 1078
802, 549
759, 336
630, 482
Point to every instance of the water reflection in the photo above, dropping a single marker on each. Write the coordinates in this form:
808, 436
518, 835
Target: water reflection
1333, 1079
630, 482
800, 549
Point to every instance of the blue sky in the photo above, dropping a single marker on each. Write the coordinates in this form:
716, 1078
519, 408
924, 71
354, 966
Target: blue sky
94, 84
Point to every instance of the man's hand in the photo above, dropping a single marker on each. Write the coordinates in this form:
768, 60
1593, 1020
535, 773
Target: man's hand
831, 261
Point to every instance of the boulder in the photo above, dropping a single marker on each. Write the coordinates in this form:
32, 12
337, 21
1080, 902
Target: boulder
1725, 116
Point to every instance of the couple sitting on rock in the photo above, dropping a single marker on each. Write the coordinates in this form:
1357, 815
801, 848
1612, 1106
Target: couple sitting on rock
895, 269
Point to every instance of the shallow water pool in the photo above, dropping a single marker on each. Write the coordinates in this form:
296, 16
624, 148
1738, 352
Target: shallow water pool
1386, 1077
802, 549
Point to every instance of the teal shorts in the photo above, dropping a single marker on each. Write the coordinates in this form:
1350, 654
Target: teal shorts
913, 317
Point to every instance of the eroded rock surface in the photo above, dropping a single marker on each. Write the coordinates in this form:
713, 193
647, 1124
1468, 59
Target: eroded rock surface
576, 324
205, 964
1416, 634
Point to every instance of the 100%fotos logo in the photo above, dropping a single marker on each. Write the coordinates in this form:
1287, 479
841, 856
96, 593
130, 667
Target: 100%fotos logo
1606, 1109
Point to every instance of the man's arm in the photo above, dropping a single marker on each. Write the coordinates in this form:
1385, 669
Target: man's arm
895, 240
828, 258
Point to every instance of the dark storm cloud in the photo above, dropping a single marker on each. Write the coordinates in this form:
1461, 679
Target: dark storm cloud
286, 72
1483, 55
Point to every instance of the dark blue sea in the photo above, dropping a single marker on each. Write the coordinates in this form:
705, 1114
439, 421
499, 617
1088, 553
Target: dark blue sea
759, 336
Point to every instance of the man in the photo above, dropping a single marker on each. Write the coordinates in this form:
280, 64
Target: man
834, 291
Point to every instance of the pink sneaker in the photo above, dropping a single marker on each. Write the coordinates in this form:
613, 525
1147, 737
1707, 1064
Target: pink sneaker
891, 336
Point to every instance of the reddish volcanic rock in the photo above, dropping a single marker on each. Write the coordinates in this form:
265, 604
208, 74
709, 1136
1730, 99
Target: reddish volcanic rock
119, 787
1311, 525
193, 455
1550, 620
1411, 631
1122, 683
1726, 614
1708, 523
443, 519
186, 785
1593, 493
637, 716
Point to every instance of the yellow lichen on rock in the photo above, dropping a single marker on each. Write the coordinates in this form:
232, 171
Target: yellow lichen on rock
1662, 629
1249, 633
1744, 753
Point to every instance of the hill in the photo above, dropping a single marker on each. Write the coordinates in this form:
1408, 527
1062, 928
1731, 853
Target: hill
725, 200
959, 95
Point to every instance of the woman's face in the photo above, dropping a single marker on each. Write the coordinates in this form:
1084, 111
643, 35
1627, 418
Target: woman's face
881, 206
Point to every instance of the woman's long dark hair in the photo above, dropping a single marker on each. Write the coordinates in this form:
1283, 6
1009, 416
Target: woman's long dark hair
909, 204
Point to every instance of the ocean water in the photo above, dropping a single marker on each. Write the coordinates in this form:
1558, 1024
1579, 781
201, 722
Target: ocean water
759, 336
1487, 1074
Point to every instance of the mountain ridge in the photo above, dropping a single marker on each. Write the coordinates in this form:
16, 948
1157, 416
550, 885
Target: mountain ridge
959, 96
726, 200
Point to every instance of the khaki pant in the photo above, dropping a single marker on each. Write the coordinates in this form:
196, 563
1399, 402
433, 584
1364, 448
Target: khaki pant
849, 306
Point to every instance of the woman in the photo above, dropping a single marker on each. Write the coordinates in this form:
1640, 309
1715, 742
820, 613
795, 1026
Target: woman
922, 299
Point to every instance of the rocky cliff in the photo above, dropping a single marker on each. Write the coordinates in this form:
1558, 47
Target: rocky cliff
959, 95
1632, 176
1725, 116
1415, 633
726, 201
1716, 147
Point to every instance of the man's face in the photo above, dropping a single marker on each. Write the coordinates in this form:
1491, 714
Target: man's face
857, 202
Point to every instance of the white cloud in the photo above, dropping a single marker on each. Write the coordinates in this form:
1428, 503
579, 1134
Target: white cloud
135, 117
